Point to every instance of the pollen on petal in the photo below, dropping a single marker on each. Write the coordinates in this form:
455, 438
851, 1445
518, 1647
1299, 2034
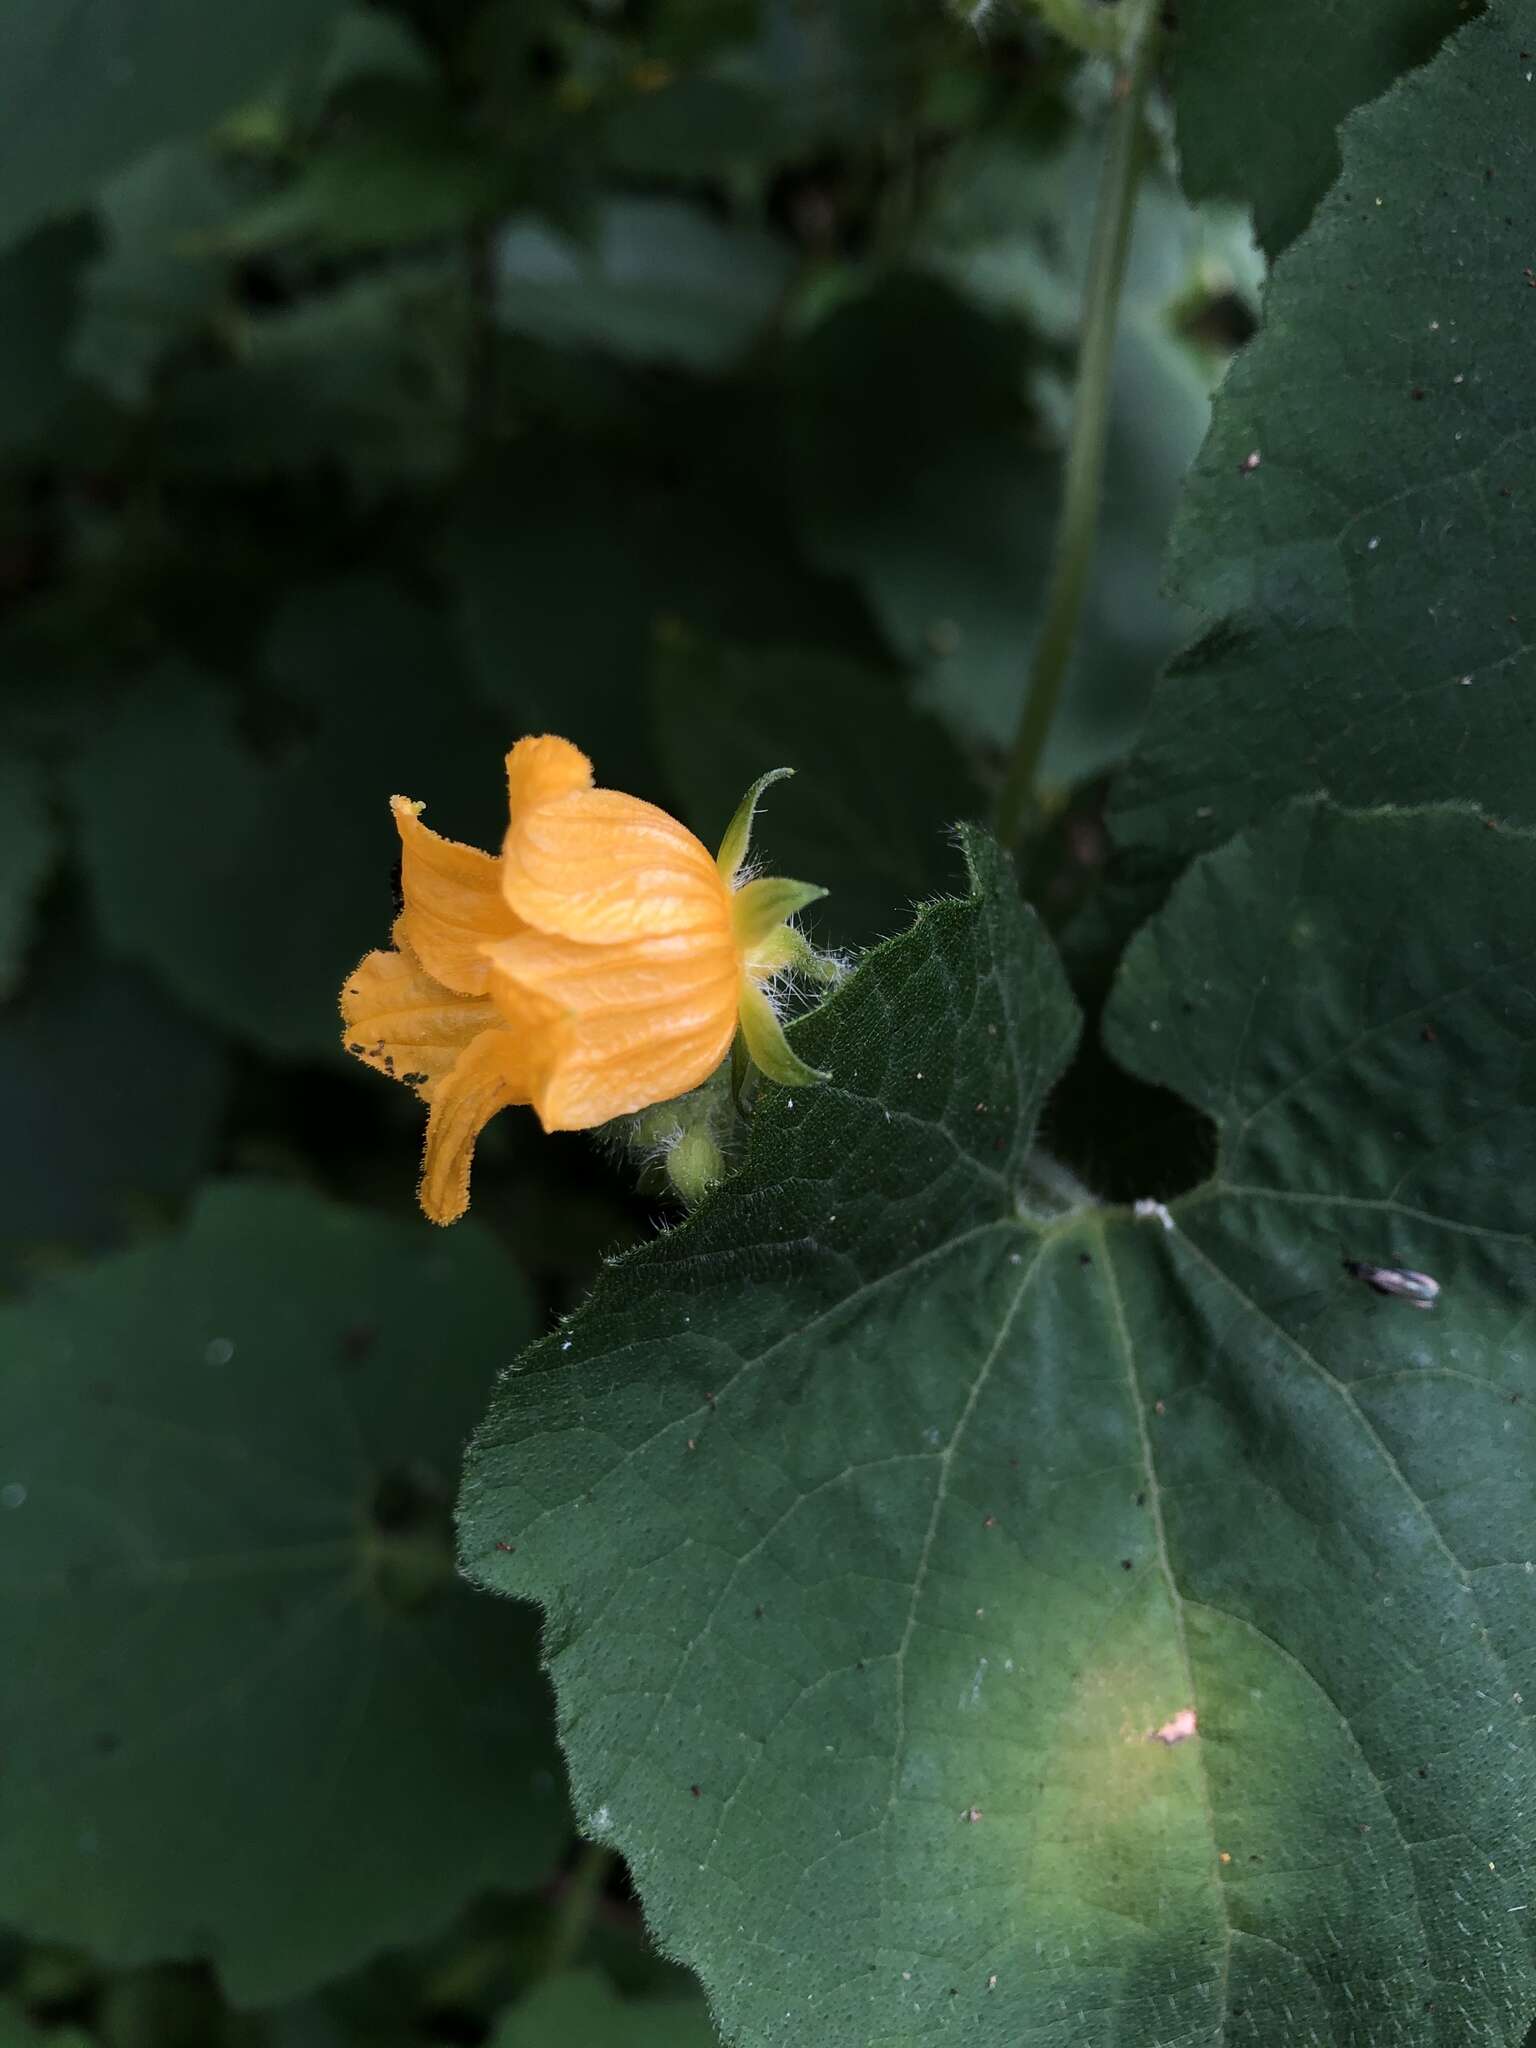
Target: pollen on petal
400, 1020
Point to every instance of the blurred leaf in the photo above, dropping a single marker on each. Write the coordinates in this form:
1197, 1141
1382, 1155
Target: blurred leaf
263, 1721
368, 377
39, 297
949, 523
87, 86
380, 185
888, 1511
582, 2007
17, 2031
253, 877
692, 128
1362, 518
662, 283
566, 563
370, 44
876, 789
1260, 92
110, 1098
155, 280
29, 844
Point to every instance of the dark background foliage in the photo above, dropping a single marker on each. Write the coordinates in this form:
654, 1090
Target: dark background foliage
378, 383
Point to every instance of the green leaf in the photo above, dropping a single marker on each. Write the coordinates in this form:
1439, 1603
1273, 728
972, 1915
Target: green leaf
18, 2031
411, 178
662, 284
566, 565
1363, 514
876, 787
86, 87
254, 876
895, 1514
111, 1099
368, 378
28, 848
155, 281
39, 295
582, 2006
263, 1721
692, 128
1260, 92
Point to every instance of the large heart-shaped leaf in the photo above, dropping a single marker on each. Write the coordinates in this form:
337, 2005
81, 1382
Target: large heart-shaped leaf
974, 1608
262, 1721
1363, 514
1260, 92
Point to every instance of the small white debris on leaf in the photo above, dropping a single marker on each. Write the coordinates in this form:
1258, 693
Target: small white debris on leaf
1148, 1211
1178, 1729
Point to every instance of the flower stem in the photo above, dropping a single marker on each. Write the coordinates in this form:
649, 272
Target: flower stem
578, 1903
1083, 477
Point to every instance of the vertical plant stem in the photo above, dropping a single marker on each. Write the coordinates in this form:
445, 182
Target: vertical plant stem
1083, 478
578, 1904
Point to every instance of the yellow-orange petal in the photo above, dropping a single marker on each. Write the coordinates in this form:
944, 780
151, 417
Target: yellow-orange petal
609, 1030
454, 904
487, 1076
542, 768
399, 1019
604, 868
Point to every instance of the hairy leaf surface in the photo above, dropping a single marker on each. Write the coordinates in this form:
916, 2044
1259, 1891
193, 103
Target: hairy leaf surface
972, 1607
1260, 92
1362, 518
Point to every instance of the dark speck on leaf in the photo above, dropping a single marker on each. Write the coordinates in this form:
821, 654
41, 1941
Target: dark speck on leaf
1430, 1035
1125, 1564
757, 1613
694, 1790
1085, 1258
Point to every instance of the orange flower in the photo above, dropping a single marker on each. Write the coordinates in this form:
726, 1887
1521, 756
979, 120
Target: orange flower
603, 964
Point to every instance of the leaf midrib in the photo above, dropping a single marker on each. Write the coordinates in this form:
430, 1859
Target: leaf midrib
1175, 1601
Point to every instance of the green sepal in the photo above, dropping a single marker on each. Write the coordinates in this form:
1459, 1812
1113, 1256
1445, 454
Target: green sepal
769, 1048
762, 906
790, 951
738, 834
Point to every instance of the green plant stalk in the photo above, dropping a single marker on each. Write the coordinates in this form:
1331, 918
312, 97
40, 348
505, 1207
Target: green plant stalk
1094, 30
1083, 478
578, 1904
